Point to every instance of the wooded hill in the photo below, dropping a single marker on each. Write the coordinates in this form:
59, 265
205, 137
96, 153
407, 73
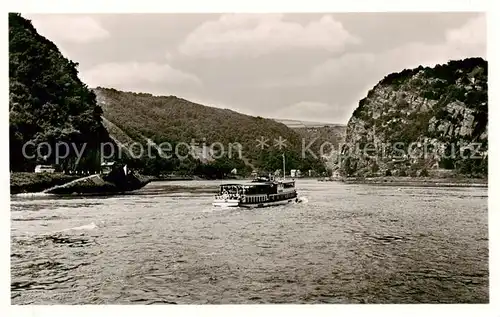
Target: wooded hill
49, 103
139, 117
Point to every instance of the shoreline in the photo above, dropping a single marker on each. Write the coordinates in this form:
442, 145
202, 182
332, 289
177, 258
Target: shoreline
23, 182
414, 181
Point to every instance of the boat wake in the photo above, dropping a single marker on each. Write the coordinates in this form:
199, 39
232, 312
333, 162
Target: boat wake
302, 200
90, 226
222, 208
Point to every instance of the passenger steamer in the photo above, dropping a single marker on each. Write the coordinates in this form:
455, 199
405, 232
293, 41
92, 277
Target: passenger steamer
261, 192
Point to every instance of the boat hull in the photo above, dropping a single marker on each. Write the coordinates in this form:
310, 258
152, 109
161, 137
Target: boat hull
225, 203
268, 204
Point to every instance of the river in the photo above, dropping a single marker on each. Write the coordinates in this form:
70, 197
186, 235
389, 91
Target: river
345, 243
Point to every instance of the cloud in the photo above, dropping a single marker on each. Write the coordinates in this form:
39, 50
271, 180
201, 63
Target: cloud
466, 41
132, 75
313, 66
347, 78
254, 35
69, 28
311, 111
339, 70
473, 33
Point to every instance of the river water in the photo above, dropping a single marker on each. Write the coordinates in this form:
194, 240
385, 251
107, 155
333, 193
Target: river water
343, 244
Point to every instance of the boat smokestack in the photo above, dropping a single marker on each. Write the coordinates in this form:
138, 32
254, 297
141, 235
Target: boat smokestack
284, 170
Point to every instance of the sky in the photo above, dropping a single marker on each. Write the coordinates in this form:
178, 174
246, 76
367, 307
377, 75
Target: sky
310, 67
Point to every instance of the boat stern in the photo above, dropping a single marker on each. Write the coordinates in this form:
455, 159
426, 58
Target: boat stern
223, 201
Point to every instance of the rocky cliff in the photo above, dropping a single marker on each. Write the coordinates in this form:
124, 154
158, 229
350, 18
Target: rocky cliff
422, 121
323, 140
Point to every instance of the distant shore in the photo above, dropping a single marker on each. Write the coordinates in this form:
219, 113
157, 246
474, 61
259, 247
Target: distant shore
414, 181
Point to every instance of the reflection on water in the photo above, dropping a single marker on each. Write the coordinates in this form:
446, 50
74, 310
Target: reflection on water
343, 244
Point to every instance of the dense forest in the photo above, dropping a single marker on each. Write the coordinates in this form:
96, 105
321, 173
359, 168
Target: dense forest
139, 117
48, 103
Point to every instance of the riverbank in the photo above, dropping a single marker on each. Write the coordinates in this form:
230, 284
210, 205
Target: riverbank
23, 182
37, 182
415, 181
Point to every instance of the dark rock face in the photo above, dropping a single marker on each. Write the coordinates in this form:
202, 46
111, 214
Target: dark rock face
422, 121
152, 120
37, 182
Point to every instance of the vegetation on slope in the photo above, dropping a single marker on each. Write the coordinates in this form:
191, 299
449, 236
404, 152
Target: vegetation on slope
174, 120
323, 140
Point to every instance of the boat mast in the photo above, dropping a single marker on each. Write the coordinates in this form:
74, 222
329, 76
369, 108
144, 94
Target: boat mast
284, 173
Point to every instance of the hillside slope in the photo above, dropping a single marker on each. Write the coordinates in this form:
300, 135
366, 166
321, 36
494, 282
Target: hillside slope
420, 121
325, 142
323, 139
49, 105
145, 118
48, 102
